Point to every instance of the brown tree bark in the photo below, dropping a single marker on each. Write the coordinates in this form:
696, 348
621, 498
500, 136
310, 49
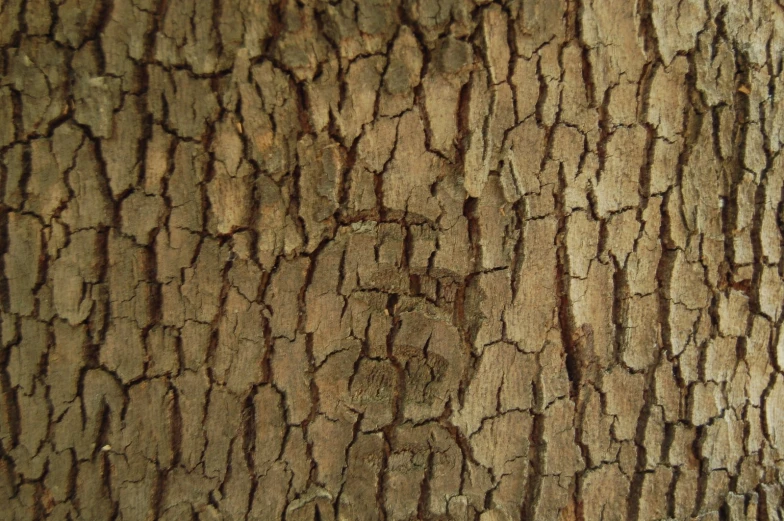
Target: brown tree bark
391, 260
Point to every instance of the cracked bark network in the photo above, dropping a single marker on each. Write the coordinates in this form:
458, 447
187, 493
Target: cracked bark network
386, 260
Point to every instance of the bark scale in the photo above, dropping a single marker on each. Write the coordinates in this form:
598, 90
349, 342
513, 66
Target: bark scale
371, 260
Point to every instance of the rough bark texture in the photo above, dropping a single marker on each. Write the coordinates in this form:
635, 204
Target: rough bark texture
368, 260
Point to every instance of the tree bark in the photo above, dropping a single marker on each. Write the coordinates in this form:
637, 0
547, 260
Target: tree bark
370, 260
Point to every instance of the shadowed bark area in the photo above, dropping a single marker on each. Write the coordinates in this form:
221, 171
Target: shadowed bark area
391, 260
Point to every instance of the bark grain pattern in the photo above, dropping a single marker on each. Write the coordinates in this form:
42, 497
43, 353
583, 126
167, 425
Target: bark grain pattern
389, 260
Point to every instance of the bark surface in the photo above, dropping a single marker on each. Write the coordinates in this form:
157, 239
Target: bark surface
370, 260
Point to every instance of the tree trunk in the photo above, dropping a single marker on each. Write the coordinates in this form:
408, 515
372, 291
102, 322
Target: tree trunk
362, 260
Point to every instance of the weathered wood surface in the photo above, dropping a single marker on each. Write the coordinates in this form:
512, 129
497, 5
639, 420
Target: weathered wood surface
370, 260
